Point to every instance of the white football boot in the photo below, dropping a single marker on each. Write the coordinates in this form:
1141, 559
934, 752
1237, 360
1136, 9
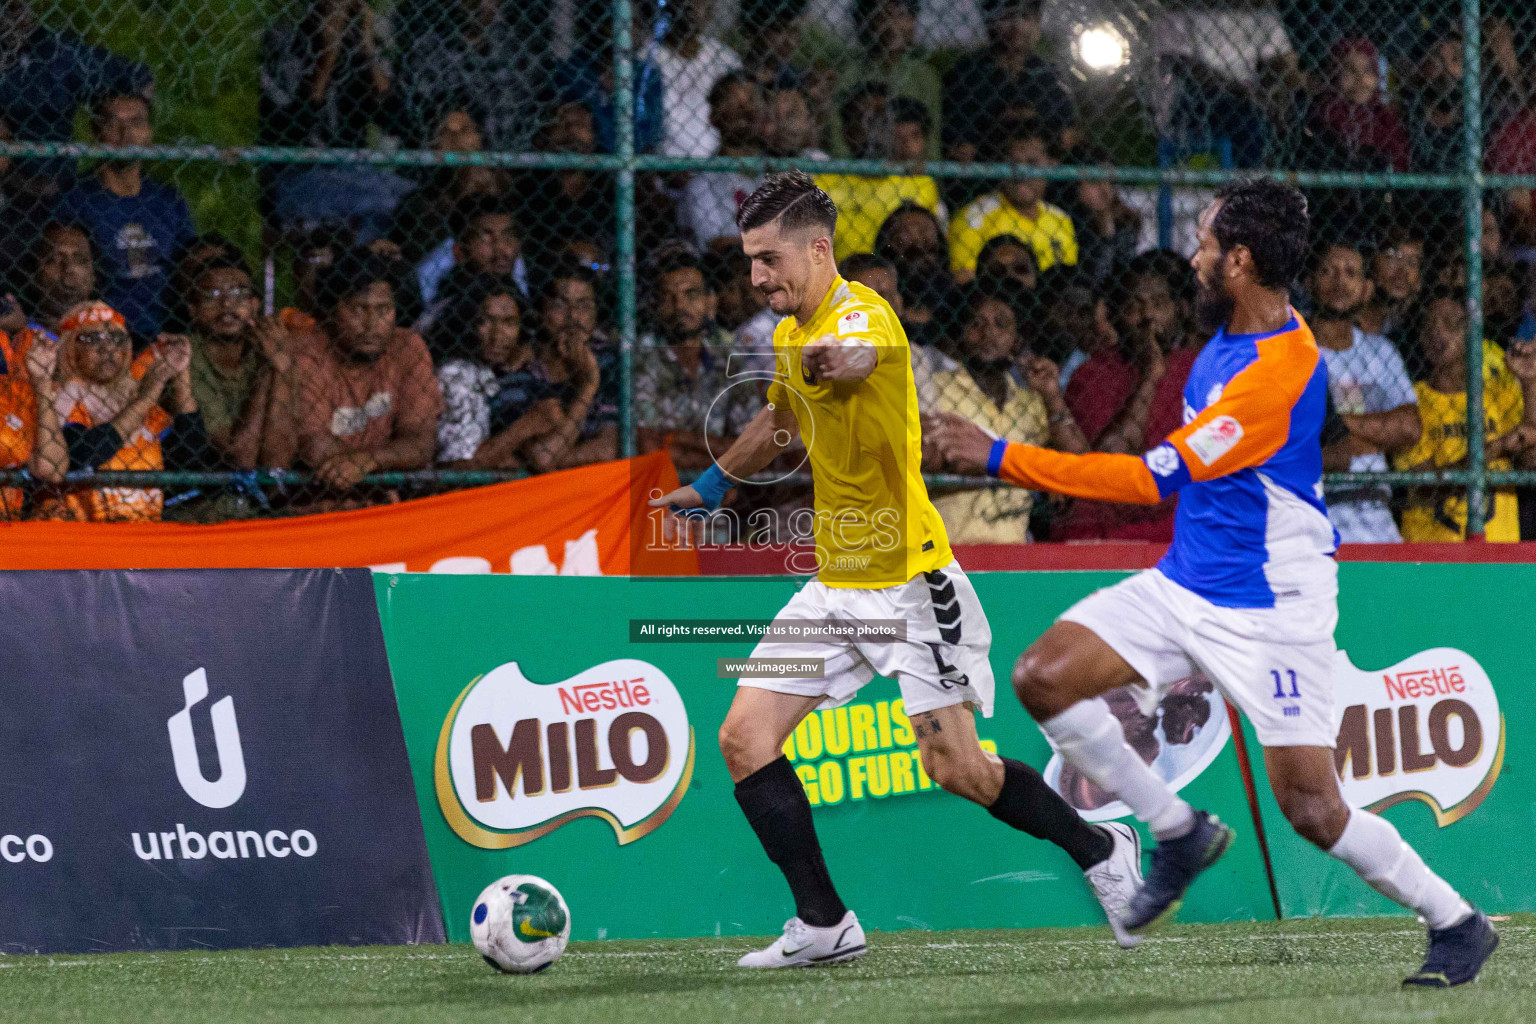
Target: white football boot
804, 946
1116, 878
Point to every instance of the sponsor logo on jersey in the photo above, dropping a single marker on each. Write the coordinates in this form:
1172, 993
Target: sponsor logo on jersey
1163, 460
856, 322
1215, 439
517, 759
1428, 728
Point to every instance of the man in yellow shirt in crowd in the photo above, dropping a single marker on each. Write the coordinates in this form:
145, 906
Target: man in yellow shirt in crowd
1018, 207
878, 127
1509, 407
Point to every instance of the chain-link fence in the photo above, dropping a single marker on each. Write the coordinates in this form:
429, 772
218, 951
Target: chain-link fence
270, 258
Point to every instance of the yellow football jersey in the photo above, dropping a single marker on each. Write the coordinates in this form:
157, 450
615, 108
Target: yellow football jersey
863, 203
875, 526
1050, 233
1440, 514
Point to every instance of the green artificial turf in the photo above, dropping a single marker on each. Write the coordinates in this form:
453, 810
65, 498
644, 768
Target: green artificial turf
1311, 971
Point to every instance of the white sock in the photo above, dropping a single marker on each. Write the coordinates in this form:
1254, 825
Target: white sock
1378, 854
1090, 738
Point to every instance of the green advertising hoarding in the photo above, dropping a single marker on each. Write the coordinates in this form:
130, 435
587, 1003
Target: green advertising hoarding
521, 698
1434, 695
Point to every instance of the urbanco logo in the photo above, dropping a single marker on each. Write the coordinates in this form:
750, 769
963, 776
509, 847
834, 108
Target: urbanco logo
517, 759
230, 783
222, 792
1428, 728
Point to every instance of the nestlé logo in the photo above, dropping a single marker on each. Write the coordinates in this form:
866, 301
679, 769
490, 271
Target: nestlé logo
1428, 728
517, 759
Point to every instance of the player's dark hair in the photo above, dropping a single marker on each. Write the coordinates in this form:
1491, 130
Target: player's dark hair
1270, 220
863, 262
353, 272
470, 209
905, 110
793, 199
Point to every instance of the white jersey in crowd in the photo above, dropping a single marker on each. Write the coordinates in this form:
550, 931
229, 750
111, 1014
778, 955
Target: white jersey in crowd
1367, 377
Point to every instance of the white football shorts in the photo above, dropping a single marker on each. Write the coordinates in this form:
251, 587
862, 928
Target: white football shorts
1275, 665
943, 661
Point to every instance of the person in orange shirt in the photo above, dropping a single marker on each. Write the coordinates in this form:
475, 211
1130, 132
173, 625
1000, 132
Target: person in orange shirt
18, 419
99, 407
61, 272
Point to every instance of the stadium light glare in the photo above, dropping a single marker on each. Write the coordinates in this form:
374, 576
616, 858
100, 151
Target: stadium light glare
1102, 48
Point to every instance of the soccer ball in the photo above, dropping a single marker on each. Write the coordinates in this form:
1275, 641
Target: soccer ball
520, 924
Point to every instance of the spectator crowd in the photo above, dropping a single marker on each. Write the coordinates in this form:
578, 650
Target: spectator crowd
460, 316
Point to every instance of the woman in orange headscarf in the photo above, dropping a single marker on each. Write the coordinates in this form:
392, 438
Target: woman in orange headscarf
100, 408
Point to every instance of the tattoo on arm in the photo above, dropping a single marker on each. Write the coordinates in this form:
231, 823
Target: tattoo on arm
926, 725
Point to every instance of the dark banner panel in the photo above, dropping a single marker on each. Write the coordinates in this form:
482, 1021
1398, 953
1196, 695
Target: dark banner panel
203, 759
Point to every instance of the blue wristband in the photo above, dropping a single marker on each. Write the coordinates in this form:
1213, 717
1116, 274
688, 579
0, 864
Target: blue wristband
712, 485
995, 456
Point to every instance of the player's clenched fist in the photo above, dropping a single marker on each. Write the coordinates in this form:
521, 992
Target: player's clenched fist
963, 445
832, 358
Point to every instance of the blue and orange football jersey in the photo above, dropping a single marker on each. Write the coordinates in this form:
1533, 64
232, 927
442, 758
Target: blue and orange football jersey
1252, 527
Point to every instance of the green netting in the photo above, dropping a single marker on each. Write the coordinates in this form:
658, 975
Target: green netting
526, 210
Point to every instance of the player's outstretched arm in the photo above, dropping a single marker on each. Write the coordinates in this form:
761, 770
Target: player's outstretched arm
1246, 426
771, 431
1096, 475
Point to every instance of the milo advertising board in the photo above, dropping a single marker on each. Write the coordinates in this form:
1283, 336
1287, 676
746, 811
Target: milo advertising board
545, 739
1434, 704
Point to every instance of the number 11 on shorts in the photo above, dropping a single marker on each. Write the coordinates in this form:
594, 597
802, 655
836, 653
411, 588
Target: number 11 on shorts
1280, 693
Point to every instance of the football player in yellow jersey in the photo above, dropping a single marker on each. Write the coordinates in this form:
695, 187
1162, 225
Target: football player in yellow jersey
845, 386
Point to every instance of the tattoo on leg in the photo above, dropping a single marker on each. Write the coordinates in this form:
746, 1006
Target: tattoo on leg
926, 725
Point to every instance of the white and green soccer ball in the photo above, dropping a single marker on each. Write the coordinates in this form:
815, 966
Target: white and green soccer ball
520, 924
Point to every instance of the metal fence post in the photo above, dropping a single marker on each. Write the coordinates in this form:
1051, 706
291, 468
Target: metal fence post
624, 114
1472, 199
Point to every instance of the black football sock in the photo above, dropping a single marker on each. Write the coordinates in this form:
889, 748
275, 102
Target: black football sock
1029, 805
776, 807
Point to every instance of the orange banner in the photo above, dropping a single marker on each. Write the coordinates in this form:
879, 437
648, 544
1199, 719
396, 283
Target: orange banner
578, 522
